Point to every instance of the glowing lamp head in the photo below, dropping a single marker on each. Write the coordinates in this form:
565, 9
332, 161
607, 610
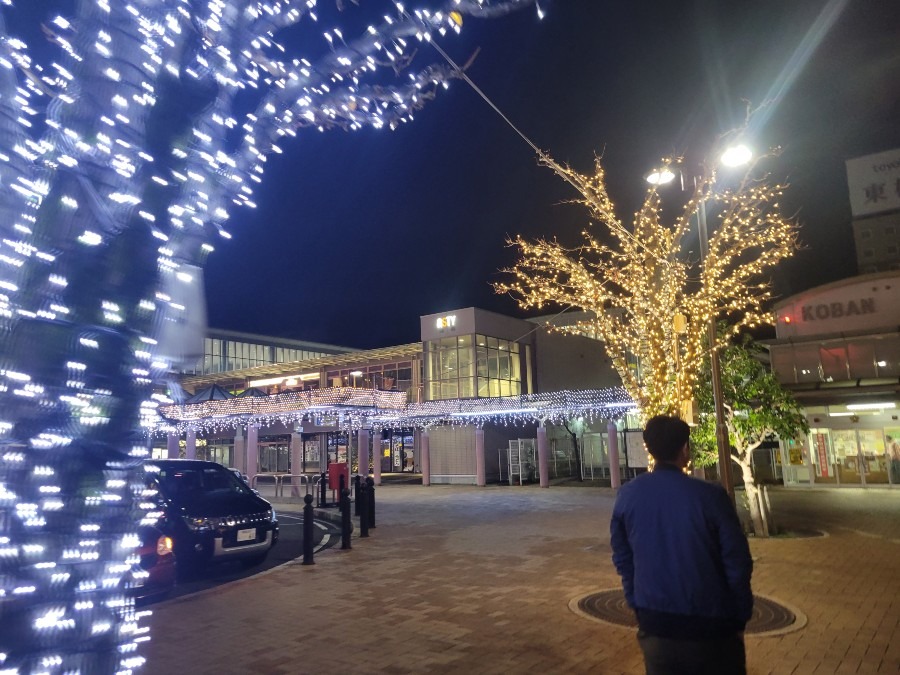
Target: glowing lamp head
661, 176
736, 155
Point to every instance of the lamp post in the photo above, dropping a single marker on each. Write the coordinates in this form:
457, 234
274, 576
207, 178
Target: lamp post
732, 157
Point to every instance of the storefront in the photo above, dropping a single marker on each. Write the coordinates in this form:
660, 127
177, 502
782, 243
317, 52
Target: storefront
838, 351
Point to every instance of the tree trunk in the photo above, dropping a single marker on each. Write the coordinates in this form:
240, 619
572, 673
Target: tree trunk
757, 515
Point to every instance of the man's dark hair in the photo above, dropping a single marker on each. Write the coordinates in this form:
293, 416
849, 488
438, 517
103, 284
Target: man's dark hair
664, 437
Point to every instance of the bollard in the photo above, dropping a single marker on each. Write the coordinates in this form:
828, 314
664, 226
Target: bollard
308, 531
323, 491
362, 502
356, 494
370, 484
346, 526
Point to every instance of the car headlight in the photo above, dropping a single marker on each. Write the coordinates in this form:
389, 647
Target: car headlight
164, 545
199, 522
272, 517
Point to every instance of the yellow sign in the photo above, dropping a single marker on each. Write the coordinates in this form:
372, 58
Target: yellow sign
444, 322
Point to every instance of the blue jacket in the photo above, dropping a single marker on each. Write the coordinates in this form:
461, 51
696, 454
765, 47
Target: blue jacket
681, 552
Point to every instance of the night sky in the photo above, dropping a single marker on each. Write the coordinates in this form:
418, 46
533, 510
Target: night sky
357, 234
360, 233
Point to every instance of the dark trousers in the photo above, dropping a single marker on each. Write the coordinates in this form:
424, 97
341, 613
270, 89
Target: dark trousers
721, 656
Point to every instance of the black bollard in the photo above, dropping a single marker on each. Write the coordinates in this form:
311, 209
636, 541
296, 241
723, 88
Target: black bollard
356, 494
323, 491
370, 484
346, 525
308, 531
362, 502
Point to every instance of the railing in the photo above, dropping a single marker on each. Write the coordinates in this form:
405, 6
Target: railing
308, 483
274, 477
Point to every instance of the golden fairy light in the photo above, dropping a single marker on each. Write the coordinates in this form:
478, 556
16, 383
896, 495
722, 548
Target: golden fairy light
651, 302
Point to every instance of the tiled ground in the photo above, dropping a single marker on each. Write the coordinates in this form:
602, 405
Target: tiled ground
478, 580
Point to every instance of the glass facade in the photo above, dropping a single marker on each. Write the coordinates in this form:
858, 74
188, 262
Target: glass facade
463, 367
848, 457
222, 355
384, 376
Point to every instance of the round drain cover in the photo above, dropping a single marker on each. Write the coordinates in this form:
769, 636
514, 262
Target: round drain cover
769, 616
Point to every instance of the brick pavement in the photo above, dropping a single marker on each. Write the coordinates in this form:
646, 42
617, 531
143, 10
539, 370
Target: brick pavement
478, 581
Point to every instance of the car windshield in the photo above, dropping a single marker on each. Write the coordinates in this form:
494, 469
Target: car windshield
195, 480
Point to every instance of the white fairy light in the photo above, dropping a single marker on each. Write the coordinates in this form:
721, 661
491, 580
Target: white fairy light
80, 173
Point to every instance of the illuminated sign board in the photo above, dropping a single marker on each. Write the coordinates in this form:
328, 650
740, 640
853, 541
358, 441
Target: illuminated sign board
445, 322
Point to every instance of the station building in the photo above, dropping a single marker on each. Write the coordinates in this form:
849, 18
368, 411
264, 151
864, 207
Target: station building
499, 380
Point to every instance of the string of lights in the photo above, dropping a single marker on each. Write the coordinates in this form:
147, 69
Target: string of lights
353, 409
651, 303
127, 142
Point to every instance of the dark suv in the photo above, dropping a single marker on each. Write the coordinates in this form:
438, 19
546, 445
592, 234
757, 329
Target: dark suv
210, 514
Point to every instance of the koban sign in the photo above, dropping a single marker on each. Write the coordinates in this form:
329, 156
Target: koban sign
837, 310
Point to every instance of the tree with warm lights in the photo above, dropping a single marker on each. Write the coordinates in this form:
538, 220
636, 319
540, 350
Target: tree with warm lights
128, 138
651, 301
757, 409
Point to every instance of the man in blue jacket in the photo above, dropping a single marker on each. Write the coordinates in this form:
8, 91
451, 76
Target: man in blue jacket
684, 561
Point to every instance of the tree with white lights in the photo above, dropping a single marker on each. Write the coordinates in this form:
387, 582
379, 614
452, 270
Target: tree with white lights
650, 300
124, 154
757, 409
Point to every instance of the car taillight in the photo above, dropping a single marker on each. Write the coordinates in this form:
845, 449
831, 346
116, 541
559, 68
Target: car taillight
164, 545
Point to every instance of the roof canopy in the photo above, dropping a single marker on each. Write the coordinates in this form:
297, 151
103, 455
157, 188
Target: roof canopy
352, 408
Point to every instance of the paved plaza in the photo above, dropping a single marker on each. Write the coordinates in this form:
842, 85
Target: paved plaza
479, 581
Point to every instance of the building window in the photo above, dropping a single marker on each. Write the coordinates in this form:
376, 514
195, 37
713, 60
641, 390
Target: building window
865, 234
497, 367
449, 368
868, 253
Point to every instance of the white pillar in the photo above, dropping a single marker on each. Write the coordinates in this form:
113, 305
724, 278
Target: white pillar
425, 459
543, 456
377, 453
296, 462
363, 439
612, 448
190, 444
172, 449
252, 451
239, 455
479, 457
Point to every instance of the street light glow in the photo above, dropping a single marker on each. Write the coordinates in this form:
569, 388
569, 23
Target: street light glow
736, 155
661, 177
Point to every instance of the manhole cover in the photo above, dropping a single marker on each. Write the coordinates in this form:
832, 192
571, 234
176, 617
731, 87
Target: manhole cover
769, 617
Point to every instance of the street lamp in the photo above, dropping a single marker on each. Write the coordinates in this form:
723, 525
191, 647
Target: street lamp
734, 156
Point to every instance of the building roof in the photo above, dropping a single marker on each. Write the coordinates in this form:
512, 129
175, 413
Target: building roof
241, 377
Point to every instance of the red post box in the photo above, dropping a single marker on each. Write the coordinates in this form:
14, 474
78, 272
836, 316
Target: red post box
335, 471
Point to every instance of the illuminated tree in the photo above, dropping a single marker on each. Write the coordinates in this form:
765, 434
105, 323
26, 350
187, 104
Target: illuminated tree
651, 302
757, 409
126, 143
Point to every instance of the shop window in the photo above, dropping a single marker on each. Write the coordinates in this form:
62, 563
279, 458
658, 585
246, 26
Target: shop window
834, 363
806, 363
861, 359
887, 357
